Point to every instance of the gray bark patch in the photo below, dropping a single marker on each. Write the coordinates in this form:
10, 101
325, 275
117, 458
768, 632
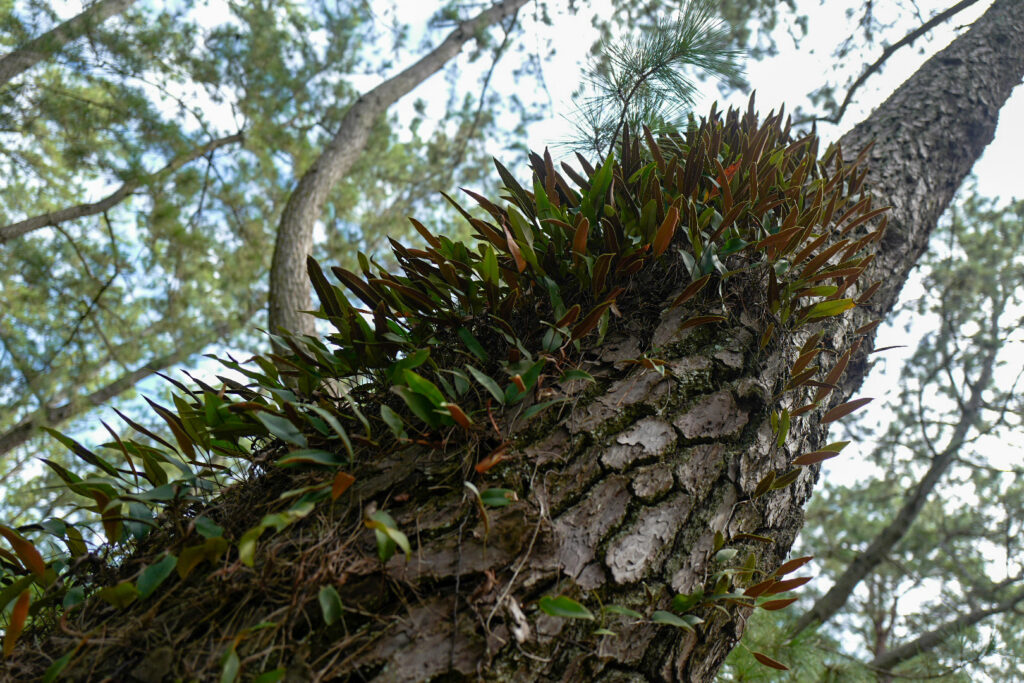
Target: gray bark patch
648, 437
714, 416
580, 530
698, 474
640, 387
650, 483
631, 556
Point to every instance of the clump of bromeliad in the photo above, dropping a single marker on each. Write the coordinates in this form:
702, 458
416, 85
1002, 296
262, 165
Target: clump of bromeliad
439, 355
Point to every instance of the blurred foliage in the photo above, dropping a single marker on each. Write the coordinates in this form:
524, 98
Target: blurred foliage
960, 558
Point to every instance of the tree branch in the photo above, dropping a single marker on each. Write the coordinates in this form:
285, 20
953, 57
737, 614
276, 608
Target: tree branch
14, 230
876, 66
51, 417
834, 600
929, 640
36, 50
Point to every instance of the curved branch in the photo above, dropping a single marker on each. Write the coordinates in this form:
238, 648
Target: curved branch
36, 50
14, 230
289, 287
882, 544
876, 66
931, 639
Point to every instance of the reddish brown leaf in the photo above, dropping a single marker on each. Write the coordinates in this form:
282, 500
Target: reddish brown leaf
590, 321
601, 268
579, 240
459, 416
25, 550
496, 456
342, 480
16, 623
793, 565
759, 588
664, 235
796, 412
833, 376
691, 291
426, 234
773, 605
801, 379
869, 292
768, 661
820, 259
803, 361
864, 217
753, 537
513, 249
764, 485
844, 409
814, 457
779, 239
570, 316
868, 328
787, 585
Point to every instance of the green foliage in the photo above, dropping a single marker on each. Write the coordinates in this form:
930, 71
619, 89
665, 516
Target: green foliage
639, 81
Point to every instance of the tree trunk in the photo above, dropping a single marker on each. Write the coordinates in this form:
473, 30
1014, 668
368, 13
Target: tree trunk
36, 50
622, 492
289, 286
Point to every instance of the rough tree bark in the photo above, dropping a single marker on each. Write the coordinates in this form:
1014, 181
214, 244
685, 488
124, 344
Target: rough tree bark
621, 495
36, 50
289, 286
628, 491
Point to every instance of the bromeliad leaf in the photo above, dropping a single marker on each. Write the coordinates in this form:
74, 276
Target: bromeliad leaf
564, 607
282, 428
423, 386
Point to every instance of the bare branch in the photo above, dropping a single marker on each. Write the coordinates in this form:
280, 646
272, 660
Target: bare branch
876, 66
51, 417
882, 544
931, 639
9, 232
36, 50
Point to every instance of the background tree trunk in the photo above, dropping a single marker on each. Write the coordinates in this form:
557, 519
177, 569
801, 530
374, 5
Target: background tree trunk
289, 286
